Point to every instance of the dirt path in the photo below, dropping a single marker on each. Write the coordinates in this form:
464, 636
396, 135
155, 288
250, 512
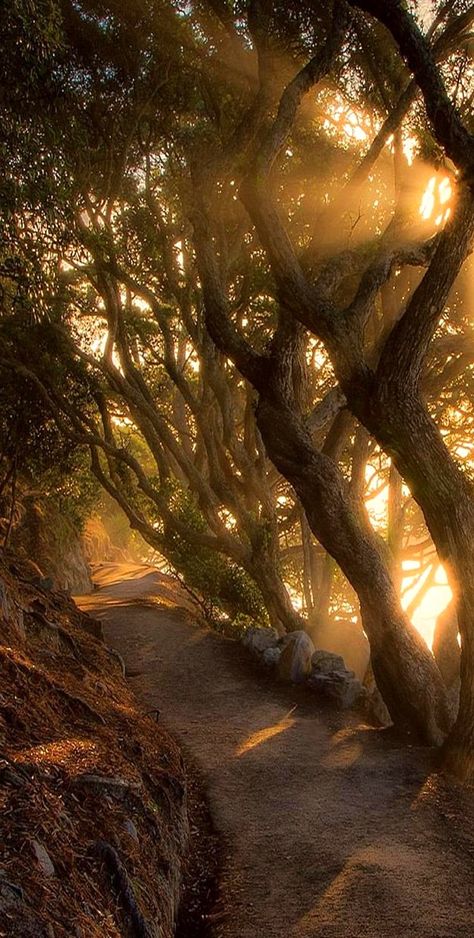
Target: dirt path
331, 830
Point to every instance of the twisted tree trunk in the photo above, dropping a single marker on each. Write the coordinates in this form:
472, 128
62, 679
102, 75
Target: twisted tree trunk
404, 669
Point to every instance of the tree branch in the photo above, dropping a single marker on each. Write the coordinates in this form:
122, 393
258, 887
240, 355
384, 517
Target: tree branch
448, 127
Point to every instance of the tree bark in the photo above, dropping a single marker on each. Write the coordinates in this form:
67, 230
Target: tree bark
445, 645
320, 615
283, 616
405, 671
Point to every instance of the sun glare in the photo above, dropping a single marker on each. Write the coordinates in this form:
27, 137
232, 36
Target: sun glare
438, 593
350, 123
433, 603
438, 192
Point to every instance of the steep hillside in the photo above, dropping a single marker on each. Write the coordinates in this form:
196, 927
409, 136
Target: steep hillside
94, 822
53, 541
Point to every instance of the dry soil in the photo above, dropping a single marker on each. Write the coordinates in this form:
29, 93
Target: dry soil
331, 828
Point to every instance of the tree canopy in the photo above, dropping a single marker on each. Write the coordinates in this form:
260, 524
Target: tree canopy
235, 271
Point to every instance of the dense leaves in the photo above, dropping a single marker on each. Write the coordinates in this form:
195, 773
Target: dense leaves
217, 216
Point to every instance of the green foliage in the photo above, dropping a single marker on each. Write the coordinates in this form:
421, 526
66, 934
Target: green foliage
46, 466
225, 586
107, 109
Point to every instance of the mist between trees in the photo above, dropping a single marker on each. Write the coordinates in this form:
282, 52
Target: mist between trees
235, 278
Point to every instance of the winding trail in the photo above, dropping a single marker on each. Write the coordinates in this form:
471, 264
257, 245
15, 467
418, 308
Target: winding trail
331, 829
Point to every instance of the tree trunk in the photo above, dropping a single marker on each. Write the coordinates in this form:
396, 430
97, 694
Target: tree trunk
307, 563
445, 645
459, 747
395, 525
399, 420
320, 615
404, 669
283, 616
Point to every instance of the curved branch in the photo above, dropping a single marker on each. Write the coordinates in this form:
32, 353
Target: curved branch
448, 127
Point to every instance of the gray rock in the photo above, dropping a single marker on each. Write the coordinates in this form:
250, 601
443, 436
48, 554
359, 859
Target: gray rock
295, 661
342, 675
327, 661
43, 858
13, 908
10, 892
258, 639
113, 785
129, 826
271, 657
341, 687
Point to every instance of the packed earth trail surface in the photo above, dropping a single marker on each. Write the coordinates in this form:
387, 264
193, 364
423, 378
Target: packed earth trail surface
331, 829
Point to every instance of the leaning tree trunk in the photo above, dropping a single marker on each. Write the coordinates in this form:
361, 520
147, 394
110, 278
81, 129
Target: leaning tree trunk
459, 747
320, 615
445, 645
398, 418
283, 616
405, 671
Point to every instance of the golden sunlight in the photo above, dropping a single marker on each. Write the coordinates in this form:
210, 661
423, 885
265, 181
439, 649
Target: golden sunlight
438, 192
433, 603
268, 732
437, 593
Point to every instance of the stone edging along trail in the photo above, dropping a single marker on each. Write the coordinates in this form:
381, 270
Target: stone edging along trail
330, 829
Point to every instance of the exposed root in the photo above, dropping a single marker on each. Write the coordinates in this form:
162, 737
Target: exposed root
124, 889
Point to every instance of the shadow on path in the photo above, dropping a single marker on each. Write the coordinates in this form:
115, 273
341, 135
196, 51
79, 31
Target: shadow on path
331, 830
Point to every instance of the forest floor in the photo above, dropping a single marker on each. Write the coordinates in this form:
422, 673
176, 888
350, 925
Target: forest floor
331, 829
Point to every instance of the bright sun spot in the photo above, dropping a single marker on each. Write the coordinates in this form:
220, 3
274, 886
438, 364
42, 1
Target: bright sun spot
263, 735
435, 600
437, 194
438, 594
410, 145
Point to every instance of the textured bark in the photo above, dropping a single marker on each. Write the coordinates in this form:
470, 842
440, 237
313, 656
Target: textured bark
381, 386
445, 645
459, 747
320, 616
283, 615
395, 524
405, 671
387, 399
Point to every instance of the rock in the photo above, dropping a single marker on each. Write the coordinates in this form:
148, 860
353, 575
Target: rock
327, 661
341, 687
10, 892
129, 826
295, 661
43, 858
15, 911
258, 639
114, 785
271, 656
